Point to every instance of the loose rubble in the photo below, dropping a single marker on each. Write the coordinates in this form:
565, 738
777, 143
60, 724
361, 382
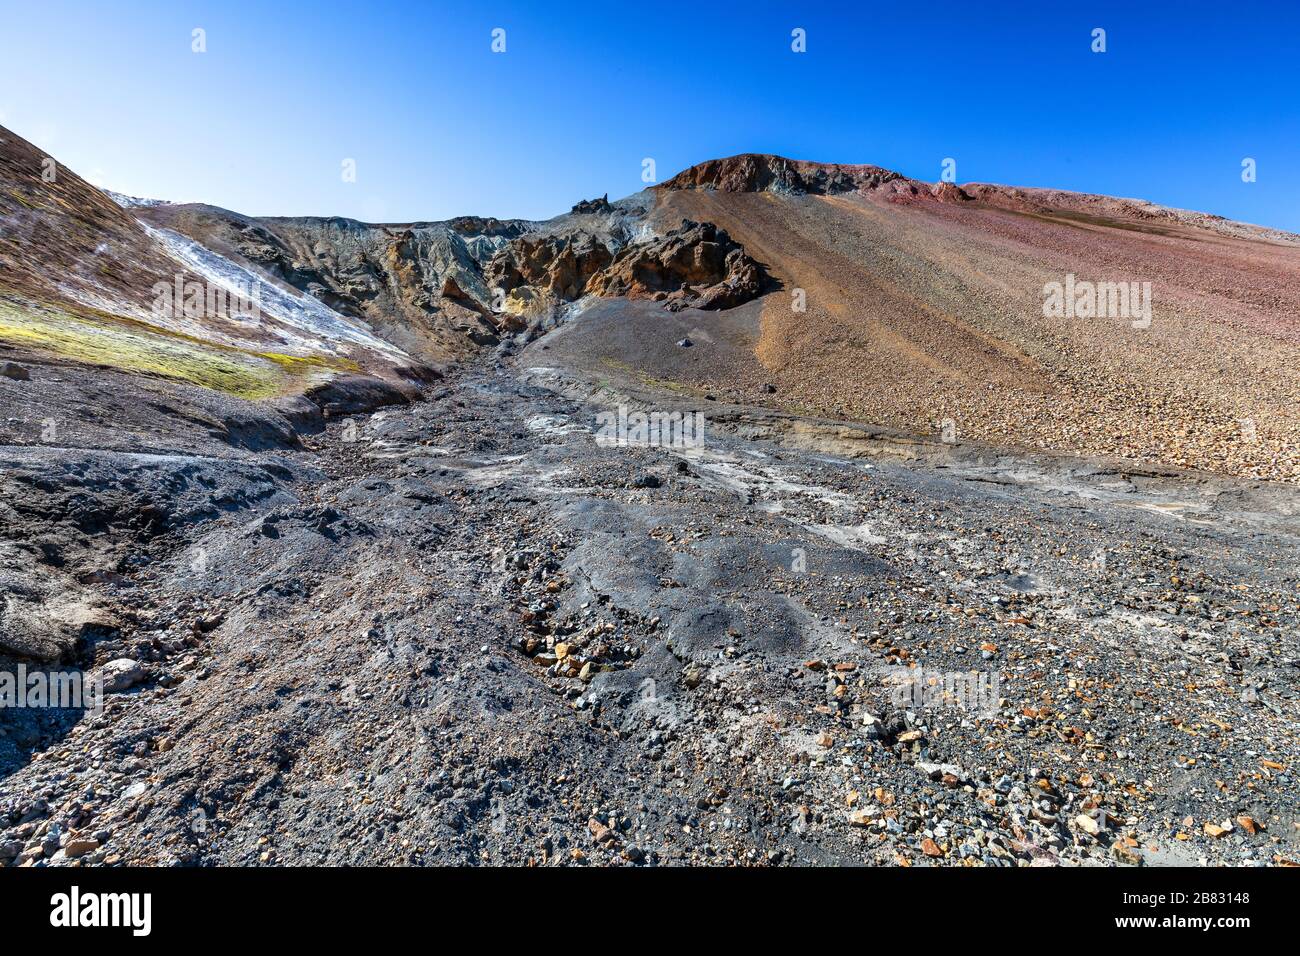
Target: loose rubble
469, 634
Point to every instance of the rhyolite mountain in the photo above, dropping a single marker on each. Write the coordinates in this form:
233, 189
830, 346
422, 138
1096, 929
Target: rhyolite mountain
366, 585
843, 290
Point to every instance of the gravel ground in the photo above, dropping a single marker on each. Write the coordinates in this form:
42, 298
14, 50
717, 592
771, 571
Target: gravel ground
462, 632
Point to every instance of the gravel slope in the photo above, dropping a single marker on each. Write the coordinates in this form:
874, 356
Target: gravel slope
917, 311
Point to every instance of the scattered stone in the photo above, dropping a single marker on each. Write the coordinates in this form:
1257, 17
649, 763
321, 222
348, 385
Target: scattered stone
80, 846
120, 675
208, 623
599, 832
1217, 830
1126, 854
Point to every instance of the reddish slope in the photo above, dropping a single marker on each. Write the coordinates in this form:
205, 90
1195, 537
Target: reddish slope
927, 302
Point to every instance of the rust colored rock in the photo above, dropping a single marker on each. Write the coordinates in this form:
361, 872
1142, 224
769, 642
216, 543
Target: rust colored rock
950, 192
561, 266
696, 265
759, 172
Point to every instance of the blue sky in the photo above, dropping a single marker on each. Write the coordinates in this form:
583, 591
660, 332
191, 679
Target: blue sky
439, 125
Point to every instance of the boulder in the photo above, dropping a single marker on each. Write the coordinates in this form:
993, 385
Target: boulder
119, 675
351, 394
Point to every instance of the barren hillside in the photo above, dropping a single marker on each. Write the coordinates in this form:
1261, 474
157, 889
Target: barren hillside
925, 303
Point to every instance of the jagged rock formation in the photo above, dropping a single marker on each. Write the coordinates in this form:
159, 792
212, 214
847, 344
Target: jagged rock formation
560, 266
593, 206
439, 289
757, 172
949, 192
696, 265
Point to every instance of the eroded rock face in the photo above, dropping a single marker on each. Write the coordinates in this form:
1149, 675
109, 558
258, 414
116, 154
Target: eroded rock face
696, 265
949, 192
355, 264
759, 172
420, 285
437, 290
560, 266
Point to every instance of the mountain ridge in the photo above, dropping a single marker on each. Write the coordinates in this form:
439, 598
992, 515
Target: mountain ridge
931, 292
754, 172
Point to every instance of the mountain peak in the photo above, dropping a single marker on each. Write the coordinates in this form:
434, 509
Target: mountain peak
764, 172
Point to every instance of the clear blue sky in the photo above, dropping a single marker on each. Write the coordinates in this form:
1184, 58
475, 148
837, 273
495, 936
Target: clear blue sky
441, 126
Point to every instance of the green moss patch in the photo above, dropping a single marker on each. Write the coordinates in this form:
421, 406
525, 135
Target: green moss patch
133, 346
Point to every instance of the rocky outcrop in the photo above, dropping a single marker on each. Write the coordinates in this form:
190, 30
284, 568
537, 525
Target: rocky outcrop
753, 172
488, 226
351, 394
949, 192
759, 172
438, 290
559, 266
420, 285
593, 206
696, 265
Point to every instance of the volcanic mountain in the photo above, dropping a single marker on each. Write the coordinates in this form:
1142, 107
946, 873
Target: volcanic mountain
926, 303
846, 291
331, 513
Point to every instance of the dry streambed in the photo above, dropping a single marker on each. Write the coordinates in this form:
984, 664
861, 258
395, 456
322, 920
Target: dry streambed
463, 632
